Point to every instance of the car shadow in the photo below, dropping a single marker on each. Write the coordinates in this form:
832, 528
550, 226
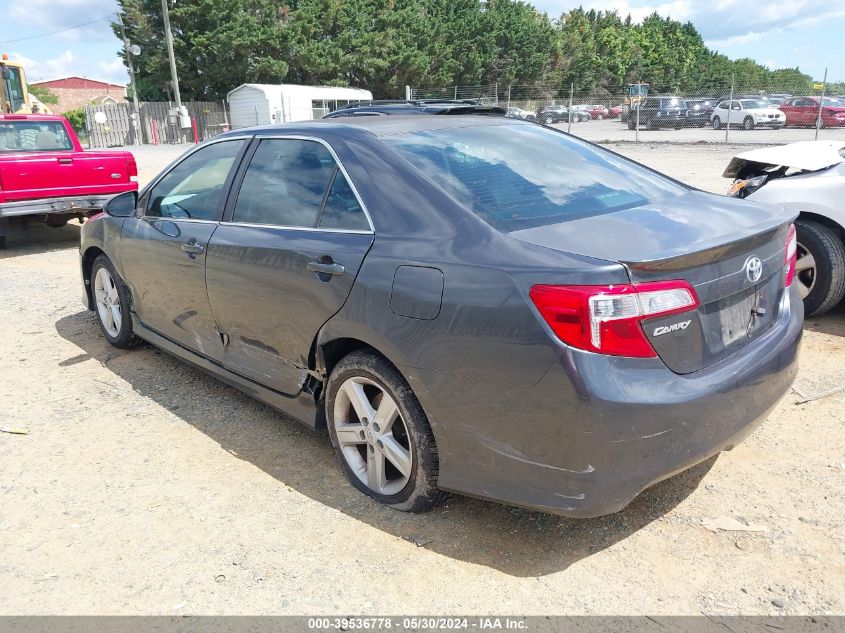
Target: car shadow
37, 237
511, 540
831, 323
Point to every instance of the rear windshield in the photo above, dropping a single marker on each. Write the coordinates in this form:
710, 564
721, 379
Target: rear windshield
33, 136
522, 176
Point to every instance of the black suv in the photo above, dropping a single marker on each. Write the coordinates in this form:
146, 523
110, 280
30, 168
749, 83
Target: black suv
660, 111
699, 111
418, 106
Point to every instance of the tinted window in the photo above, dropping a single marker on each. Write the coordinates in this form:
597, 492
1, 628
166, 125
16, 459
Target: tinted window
33, 136
489, 170
285, 184
195, 187
342, 210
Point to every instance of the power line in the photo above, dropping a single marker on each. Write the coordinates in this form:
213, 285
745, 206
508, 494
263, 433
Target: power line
70, 28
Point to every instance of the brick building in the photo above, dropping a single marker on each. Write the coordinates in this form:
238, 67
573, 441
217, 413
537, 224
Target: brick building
76, 92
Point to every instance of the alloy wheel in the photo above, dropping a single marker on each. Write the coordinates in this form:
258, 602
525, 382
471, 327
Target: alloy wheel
108, 302
805, 271
373, 436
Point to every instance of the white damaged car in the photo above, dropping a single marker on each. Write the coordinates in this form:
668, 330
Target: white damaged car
809, 177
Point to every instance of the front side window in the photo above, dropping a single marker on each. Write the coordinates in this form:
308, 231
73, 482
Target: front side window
13, 87
488, 171
33, 136
296, 183
195, 188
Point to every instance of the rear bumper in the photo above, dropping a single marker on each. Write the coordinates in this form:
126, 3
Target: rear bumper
72, 204
597, 430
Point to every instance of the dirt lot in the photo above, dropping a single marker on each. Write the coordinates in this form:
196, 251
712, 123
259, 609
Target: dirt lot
145, 486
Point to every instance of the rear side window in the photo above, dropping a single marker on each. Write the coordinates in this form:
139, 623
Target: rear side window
285, 184
194, 188
523, 176
342, 210
297, 183
33, 136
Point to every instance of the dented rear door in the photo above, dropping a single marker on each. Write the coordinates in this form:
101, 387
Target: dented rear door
284, 260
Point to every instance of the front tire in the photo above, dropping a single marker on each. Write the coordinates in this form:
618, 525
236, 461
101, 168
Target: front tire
111, 304
549, 120
381, 434
748, 123
820, 270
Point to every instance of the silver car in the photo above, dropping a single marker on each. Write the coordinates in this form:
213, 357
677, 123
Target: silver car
809, 177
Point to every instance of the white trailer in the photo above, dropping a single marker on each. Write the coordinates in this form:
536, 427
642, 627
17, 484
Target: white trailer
262, 104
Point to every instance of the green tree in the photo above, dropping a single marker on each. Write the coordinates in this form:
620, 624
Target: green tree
44, 95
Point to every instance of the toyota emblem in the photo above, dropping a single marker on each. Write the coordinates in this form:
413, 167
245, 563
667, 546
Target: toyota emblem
753, 269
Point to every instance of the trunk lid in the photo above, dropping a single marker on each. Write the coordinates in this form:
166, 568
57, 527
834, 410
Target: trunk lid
706, 240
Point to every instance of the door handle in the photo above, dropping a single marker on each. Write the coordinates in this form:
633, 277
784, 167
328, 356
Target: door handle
192, 248
65, 161
326, 268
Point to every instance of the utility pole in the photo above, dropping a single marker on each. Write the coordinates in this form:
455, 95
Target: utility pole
136, 123
168, 36
821, 103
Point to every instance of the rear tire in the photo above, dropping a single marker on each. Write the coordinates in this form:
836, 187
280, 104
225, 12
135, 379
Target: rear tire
632, 123
391, 434
821, 279
549, 120
111, 304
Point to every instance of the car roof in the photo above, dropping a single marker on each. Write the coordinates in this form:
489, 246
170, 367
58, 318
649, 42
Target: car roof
31, 117
380, 126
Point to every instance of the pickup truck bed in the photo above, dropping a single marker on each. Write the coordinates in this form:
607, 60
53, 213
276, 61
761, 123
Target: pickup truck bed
44, 171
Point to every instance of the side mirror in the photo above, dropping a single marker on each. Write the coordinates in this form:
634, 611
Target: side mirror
6, 72
122, 205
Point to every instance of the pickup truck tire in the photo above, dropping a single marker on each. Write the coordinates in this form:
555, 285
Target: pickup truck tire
826, 279
111, 304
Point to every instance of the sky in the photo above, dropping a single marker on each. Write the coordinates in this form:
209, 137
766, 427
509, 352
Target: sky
803, 33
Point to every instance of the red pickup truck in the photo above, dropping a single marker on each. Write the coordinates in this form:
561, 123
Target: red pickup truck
45, 173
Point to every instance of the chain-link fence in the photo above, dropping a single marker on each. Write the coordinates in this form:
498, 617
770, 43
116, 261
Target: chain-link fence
636, 112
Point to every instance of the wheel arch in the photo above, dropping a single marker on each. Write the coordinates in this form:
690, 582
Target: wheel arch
824, 221
91, 253
330, 346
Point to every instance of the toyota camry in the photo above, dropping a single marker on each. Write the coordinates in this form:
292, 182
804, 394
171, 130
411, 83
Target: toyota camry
467, 304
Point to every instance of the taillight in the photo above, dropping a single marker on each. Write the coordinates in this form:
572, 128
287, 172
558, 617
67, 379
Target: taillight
607, 319
791, 256
132, 168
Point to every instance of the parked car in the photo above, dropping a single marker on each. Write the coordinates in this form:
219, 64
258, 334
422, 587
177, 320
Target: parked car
808, 176
45, 174
779, 97
595, 111
699, 111
746, 113
616, 111
560, 114
519, 113
414, 107
405, 281
659, 111
804, 111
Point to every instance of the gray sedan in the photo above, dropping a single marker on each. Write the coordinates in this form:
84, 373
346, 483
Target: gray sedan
468, 304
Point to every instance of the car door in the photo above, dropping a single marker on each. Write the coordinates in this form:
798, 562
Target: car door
284, 259
787, 106
163, 249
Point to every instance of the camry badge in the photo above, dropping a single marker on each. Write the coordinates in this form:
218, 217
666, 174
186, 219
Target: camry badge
753, 269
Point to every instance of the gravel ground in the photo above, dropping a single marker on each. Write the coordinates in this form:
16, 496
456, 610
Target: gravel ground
146, 487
